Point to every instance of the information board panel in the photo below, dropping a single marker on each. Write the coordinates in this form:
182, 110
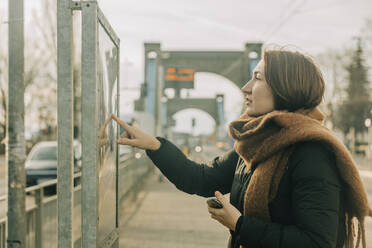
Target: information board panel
179, 78
107, 104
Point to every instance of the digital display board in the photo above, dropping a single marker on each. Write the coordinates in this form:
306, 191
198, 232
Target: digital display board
179, 78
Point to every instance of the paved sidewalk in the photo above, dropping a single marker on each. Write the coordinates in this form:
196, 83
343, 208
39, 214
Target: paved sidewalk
363, 163
165, 217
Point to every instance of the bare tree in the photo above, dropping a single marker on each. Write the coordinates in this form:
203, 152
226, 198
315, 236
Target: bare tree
331, 63
3, 80
40, 66
44, 80
45, 88
366, 36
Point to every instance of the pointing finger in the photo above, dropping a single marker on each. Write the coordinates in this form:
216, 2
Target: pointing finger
121, 123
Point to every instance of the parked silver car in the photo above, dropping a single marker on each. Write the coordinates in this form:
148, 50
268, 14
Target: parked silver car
41, 162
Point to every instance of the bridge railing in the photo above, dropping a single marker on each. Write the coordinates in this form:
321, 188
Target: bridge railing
41, 211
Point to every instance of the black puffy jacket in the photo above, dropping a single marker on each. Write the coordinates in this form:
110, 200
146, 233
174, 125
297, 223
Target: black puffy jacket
308, 210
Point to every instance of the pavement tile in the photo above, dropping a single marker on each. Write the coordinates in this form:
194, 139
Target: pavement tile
166, 217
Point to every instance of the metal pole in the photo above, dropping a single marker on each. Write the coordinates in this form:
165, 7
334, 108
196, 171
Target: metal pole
158, 96
89, 132
65, 124
16, 152
352, 140
369, 152
39, 198
116, 245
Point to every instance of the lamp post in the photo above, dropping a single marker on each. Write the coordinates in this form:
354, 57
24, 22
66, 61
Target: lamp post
164, 117
368, 123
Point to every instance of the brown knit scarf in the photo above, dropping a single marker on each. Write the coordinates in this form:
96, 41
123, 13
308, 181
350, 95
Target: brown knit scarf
268, 141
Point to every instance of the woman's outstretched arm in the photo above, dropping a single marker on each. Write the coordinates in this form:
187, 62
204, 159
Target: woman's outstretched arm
187, 175
192, 177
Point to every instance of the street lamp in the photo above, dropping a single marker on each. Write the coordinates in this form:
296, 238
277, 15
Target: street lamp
152, 55
368, 123
253, 55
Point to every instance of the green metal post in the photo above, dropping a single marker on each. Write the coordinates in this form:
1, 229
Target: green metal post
39, 198
65, 123
16, 152
89, 132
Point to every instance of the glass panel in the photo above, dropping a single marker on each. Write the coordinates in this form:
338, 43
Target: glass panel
107, 104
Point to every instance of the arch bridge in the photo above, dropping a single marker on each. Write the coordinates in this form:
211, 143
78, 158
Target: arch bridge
236, 66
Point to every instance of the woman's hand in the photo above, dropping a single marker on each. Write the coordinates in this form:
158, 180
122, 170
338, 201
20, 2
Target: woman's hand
134, 136
228, 215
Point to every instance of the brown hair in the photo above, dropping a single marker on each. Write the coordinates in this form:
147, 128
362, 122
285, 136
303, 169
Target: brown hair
295, 80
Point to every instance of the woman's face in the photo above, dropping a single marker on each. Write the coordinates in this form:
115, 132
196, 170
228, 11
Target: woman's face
257, 93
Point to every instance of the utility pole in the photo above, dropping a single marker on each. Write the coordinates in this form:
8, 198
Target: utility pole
16, 152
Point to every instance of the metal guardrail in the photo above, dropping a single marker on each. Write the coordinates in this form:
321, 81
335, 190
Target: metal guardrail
41, 214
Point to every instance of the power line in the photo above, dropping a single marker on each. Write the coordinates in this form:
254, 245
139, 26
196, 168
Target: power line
281, 15
281, 23
289, 3
326, 6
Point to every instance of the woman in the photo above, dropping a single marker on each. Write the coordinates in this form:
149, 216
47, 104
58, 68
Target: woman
292, 183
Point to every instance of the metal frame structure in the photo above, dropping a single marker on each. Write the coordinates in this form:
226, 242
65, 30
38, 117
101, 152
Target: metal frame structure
65, 123
35, 215
92, 17
132, 173
89, 132
16, 149
34, 226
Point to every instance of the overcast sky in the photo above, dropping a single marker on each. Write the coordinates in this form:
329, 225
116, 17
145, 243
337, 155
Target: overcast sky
311, 25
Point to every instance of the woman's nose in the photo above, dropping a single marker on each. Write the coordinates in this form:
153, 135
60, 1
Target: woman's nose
247, 88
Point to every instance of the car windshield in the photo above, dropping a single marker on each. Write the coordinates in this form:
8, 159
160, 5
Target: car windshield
45, 153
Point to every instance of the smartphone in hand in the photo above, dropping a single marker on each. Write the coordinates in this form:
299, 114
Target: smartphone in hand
214, 203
